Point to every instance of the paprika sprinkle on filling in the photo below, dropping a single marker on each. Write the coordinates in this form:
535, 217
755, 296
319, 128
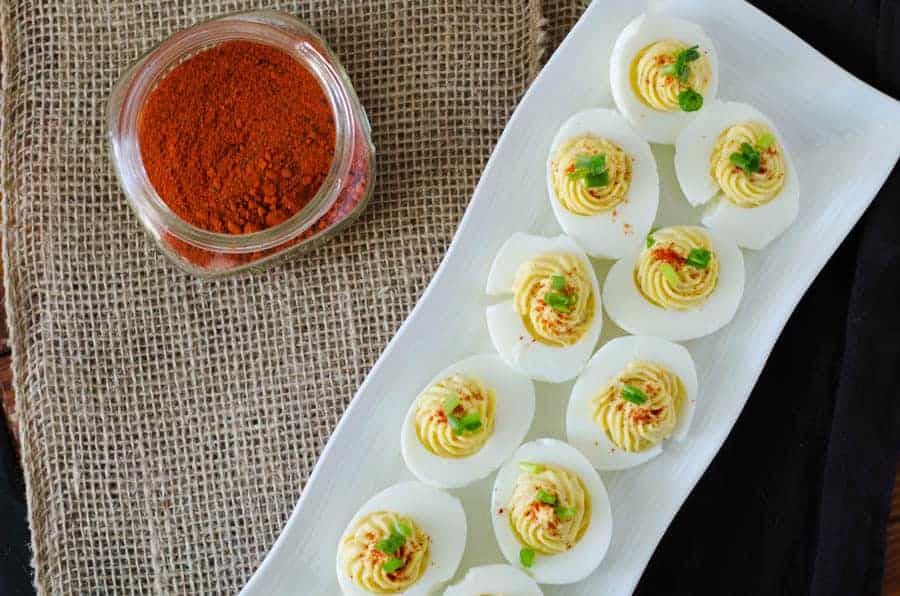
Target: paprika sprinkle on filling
237, 138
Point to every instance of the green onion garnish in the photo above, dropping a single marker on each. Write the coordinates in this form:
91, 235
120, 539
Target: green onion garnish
565, 513
390, 544
526, 557
545, 497
450, 403
557, 282
765, 141
685, 56
680, 68
634, 395
747, 159
670, 274
392, 565
690, 100
471, 421
530, 468
698, 258
557, 301
590, 162
402, 529
650, 239
591, 168
455, 424
595, 180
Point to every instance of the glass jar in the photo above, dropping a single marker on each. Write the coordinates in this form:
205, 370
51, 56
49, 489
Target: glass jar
341, 198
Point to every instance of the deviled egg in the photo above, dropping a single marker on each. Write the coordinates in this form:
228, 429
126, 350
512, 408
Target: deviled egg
662, 72
548, 328
734, 158
686, 282
551, 512
636, 392
466, 422
503, 580
408, 538
602, 182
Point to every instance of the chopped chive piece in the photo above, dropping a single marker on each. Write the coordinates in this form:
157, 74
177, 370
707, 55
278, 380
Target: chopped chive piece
557, 301
526, 557
650, 239
765, 141
402, 529
530, 468
595, 180
392, 565
690, 100
565, 513
670, 274
698, 258
455, 424
471, 421
680, 68
390, 544
450, 403
545, 497
557, 282
590, 168
747, 159
634, 395
690, 54
589, 162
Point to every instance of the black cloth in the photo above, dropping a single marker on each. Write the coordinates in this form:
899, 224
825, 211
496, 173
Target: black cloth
797, 499
15, 570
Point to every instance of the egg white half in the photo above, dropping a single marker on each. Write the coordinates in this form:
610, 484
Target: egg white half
749, 227
632, 312
614, 233
495, 579
440, 516
654, 125
513, 412
587, 436
582, 559
508, 333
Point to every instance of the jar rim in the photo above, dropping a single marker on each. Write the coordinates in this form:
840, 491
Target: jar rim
136, 84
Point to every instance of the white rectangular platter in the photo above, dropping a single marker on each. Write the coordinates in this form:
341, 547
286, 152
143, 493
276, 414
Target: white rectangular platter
845, 138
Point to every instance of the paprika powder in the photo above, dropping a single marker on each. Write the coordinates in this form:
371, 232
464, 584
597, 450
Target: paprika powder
239, 140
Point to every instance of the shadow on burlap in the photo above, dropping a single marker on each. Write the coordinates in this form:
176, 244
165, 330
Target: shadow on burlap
169, 423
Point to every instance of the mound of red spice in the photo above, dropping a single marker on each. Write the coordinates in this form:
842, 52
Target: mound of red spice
238, 138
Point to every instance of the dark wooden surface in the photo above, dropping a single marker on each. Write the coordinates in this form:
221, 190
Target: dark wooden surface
890, 586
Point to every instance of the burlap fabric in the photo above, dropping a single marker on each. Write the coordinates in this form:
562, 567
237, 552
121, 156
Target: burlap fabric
169, 423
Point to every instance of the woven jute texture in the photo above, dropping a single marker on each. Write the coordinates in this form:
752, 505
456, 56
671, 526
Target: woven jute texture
170, 423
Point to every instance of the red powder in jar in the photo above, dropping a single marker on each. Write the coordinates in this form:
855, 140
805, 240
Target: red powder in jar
238, 138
